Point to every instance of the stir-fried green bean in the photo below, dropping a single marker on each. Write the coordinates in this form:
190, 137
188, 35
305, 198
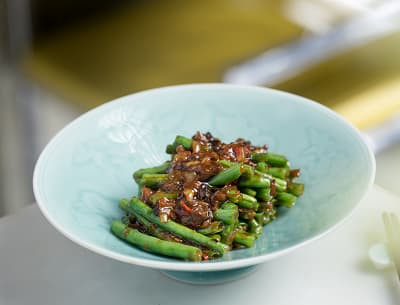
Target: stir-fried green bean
278, 172
179, 140
296, 189
155, 245
153, 180
271, 159
228, 216
138, 207
245, 239
226, 176
161, 169
213, 228
210, 198
248, 191
286, 199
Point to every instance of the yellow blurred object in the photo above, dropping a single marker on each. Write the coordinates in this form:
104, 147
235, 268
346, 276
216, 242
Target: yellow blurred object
362, 84
146, 45
373, 106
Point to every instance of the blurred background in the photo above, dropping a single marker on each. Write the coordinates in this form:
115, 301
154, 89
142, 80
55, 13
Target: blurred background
60, 58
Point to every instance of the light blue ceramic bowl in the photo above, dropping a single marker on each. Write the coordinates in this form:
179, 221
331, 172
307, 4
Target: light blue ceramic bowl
88, 166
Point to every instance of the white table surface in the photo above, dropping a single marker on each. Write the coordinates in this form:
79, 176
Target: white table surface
40, 266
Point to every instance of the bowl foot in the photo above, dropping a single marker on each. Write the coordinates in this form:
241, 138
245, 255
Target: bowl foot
209, 277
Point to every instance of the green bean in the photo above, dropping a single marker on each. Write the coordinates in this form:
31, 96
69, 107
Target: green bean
229, 206
207, 254
246, 169
226, 163
161, 169
153, 180
279, 183
286, 199
269, 210
154, 230
213, 228
245, 239
255, 227
262, 167
228, 234
247, 215
155, 245
125, 219
228, 216
248, 202
242, 226
255, 181
264, 194
215, 237
249, 198
271, 159
179, 140
138, 207
170, 149
260, 217
233, 195
124, 205
259, 157
266, 219
185, 142
140, 187
226, 176
159, 194
278, 172
248, 191
296, 189
248, 205
151, 228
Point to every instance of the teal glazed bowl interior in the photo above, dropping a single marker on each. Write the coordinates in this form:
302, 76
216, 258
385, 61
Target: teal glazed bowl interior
87, 167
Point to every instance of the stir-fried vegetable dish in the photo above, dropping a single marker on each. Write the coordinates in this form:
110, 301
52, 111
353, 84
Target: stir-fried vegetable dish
210, 198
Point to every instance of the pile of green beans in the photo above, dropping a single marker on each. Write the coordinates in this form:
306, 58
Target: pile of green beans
261, 186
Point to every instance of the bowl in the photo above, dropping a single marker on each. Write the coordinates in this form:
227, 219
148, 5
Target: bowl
87, 167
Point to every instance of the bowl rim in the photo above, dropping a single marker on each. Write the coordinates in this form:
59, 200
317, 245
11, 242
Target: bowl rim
198, 266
